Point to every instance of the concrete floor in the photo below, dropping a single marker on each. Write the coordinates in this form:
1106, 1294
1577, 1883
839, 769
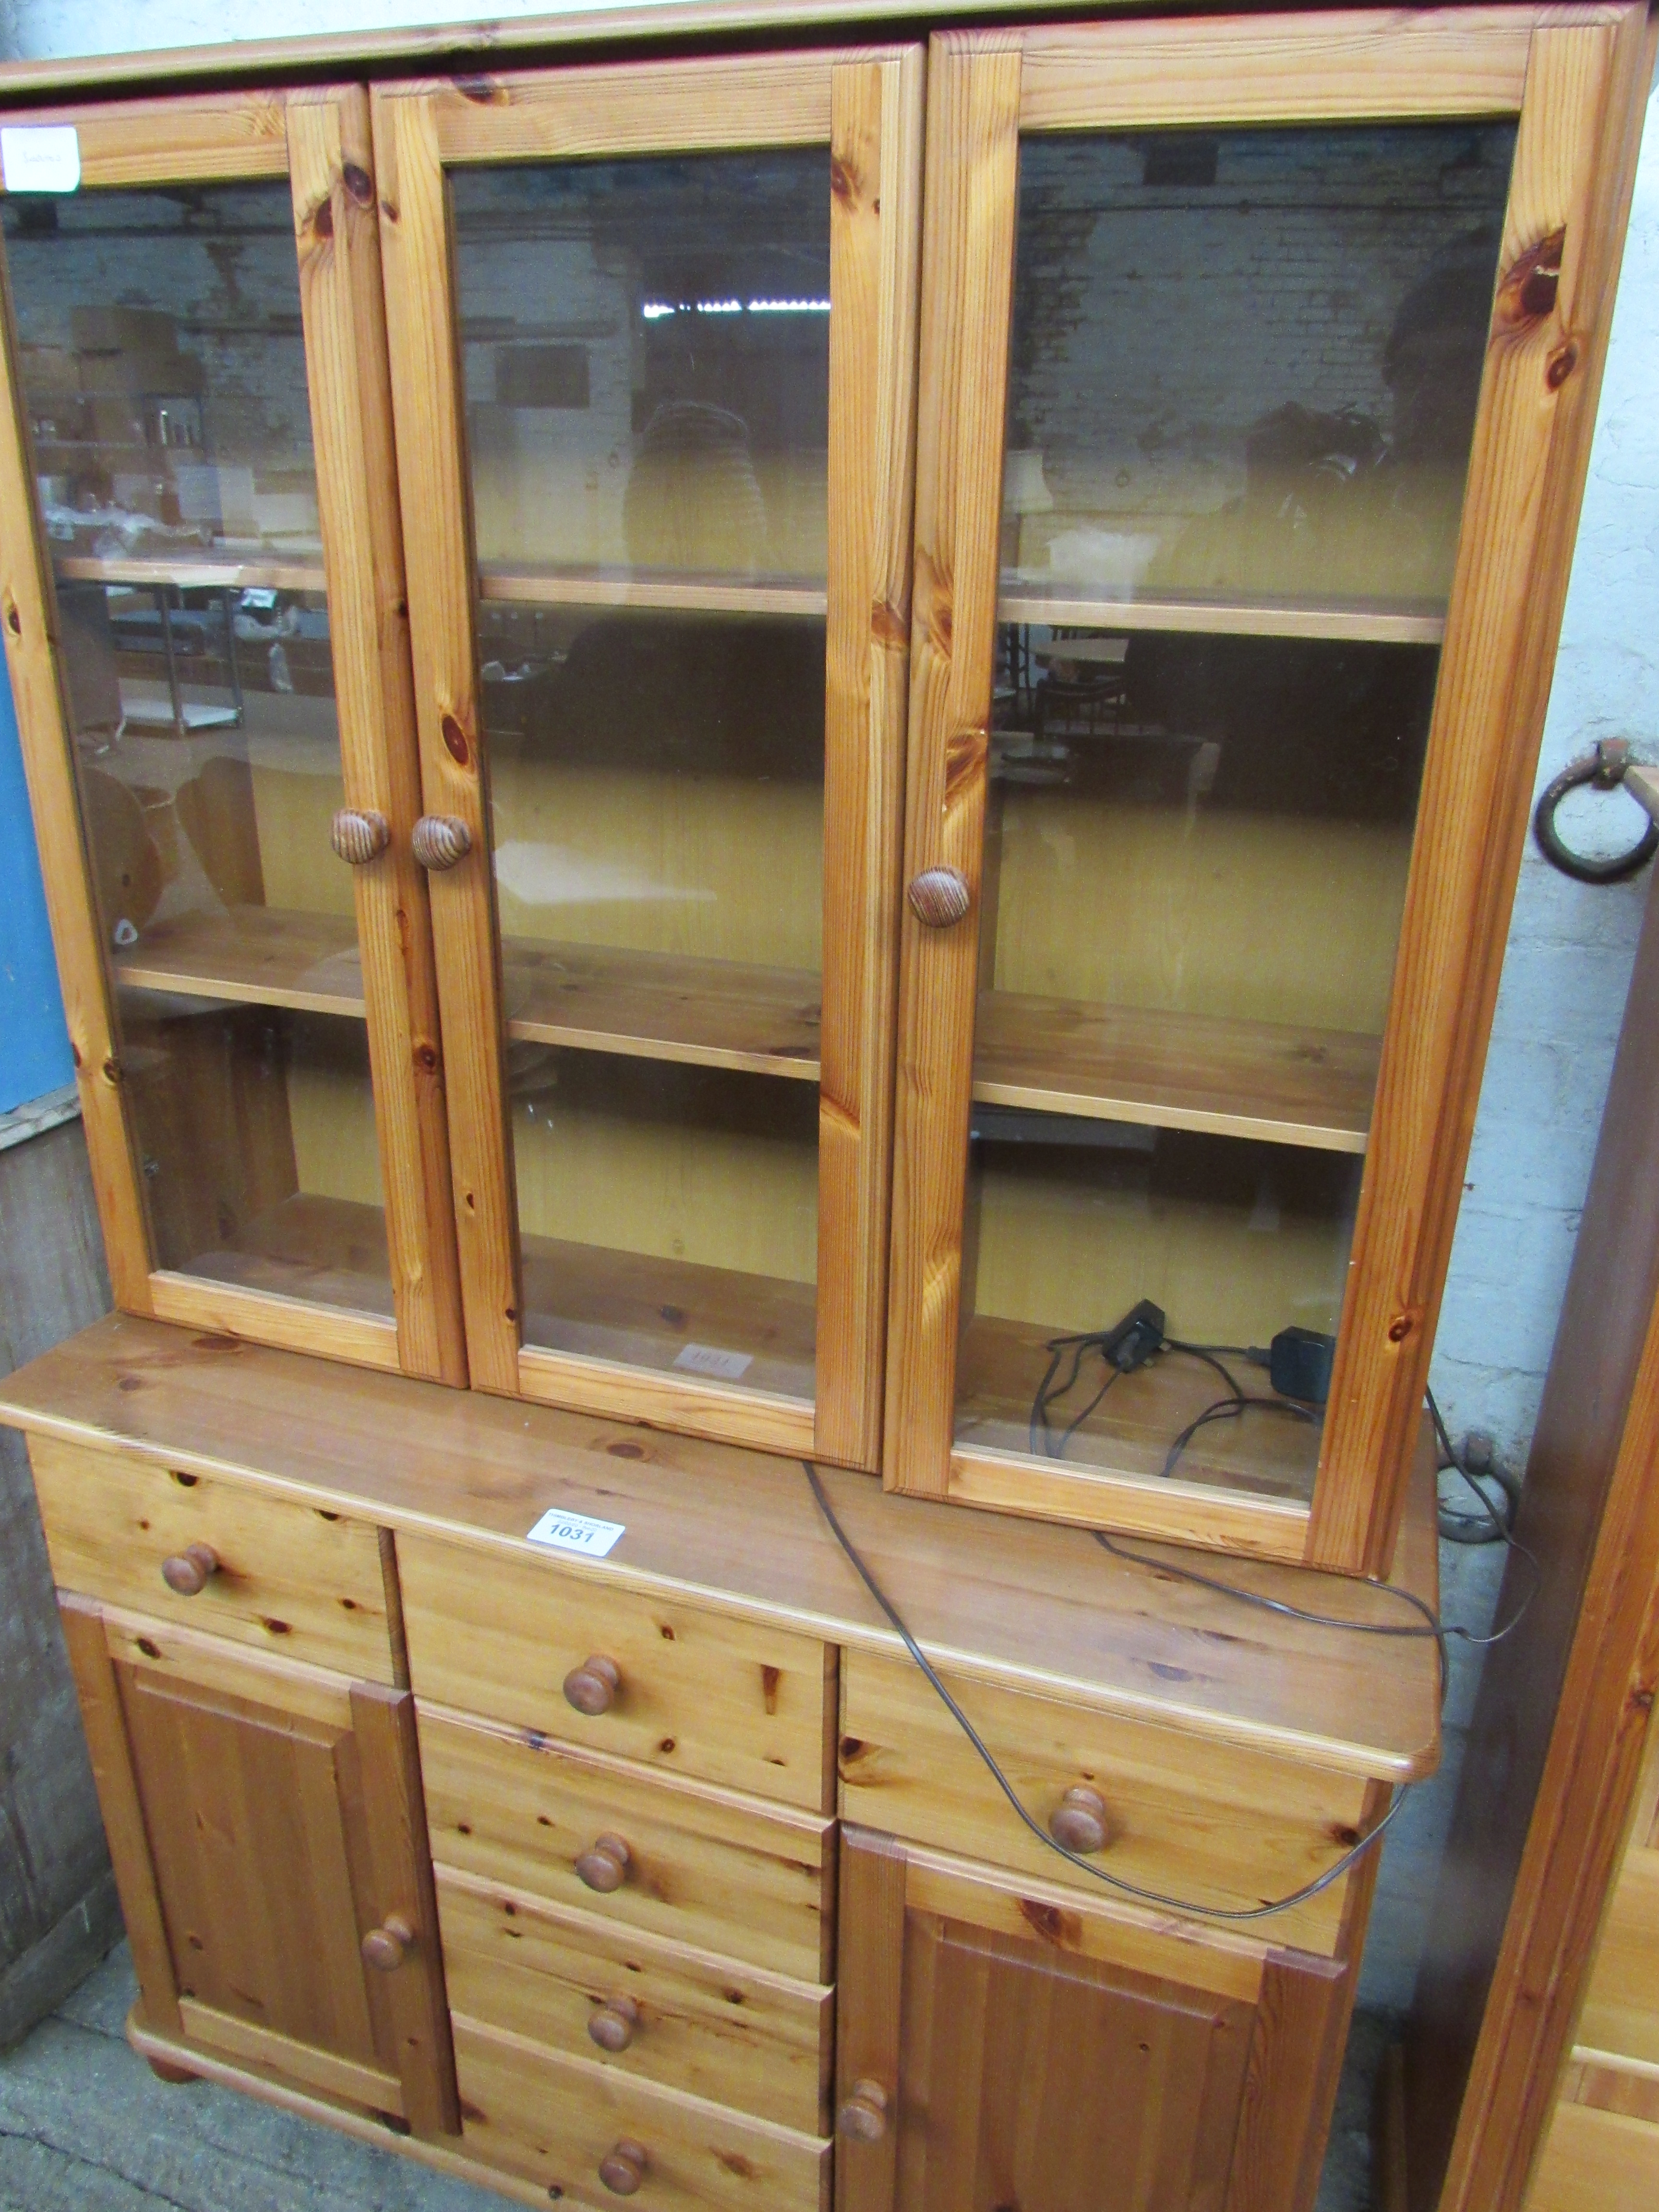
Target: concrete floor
86, 2126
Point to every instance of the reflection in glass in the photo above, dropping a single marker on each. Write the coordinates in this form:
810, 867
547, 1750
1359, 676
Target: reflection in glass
668, 1215
1246, 364
646, 350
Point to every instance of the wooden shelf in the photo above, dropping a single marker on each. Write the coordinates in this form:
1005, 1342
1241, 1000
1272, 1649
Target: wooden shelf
214, 573
1379, 623
659, 1005
629, 587
257, 956
1001, 1363
327, 1251
640, 1311
1261, 1079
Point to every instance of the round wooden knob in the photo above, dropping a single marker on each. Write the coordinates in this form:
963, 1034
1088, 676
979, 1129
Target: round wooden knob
593, 1685
604, 1865
1078, 1821
439, 841
622, 2168
614, 2024
189, 1571
939, 896
384, 1947
358, 835
864, 2115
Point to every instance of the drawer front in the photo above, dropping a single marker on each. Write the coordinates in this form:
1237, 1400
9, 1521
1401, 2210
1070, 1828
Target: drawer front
552, 2120
696, 1693
685, 2019
1190, 1819
289, 1580
704, 1866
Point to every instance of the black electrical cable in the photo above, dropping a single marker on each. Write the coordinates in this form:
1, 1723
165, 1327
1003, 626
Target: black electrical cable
1333, 1873
1238, 1402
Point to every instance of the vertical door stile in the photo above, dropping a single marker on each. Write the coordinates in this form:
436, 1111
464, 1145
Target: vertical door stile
342, 309
427, 407
967, 251
875, 159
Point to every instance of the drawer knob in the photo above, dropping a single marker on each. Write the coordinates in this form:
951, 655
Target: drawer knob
591, 1687
864, 2116
359, 835
939, 896
439, 841
189, 1571
603, 1866
1078, 1821
612, 2027
622, 2168
384, 1947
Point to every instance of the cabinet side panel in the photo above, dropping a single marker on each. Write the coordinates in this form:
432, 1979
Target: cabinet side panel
869, 1975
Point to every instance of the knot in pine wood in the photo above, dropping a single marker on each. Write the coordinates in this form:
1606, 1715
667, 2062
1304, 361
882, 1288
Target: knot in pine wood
1529, 287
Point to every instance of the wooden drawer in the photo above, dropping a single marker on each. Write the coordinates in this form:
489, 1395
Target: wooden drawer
748, 1707
693, 2022
1187, 1817
551, 2119
705, 1867
291, 1580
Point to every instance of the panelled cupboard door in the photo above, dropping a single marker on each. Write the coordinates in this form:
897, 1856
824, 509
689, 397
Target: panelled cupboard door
202, 590
1258, 364
266, 1824
652, 345
995, 2048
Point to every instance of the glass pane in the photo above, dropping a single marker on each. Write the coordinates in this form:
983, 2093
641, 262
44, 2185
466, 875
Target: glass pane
1248, 362
669, 1215
178, 493
646, 351
1245, 372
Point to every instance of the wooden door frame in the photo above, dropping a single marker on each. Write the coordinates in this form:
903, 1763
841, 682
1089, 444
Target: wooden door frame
1576, 79
317, 139
864, 107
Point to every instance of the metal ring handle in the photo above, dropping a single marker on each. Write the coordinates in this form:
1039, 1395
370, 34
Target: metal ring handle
1605, 768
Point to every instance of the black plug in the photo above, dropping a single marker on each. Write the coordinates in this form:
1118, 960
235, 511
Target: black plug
1299, 1364
1132, 1342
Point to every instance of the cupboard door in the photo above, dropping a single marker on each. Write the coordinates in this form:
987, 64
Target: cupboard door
652, 360
270, 1847
1258, 366
995, 2048
204, 579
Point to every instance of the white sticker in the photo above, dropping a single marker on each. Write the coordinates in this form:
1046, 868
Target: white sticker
40, 157
575, 1532
709, 1359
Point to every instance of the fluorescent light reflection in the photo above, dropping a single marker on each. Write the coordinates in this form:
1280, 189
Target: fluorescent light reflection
655, 310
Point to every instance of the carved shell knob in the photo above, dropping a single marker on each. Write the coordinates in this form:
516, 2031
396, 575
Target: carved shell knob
614, 2025
939, 896
1079, 1820
358, 835
384, 1947
189, 1572
622, 2168
603, 1866
439, 841
591, 1687
864, 2115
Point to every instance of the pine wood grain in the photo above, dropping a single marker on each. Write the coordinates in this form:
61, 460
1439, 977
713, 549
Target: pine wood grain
248, 1308
875, 158
455, 771
1017, 1603
734, 2034
289, 1580
869, 1970
664, 1005
343, 312
1379, 623
205, 138
254, 954
227, 573
551, 2119
1593, 2160
710, 1869
374, 2089
634, 587
714, 1700
28, 613
1573, 167
968, 251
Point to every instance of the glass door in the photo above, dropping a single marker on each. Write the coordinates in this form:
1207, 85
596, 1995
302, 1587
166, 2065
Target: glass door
651, 336
204, 517
1218, 773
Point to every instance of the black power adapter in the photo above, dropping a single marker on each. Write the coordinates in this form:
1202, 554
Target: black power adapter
1299, 1364
1132, 1342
